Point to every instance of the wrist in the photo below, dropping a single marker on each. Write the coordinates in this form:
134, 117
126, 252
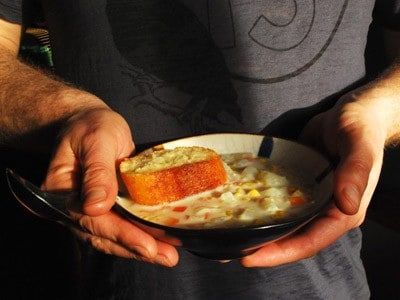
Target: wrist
76, 101
387, 105
381, 99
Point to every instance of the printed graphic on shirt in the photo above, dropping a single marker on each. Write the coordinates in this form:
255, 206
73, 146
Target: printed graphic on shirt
174, 62
293, 34
183, 56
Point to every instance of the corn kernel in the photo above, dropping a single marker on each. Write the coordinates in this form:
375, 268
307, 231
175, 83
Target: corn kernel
253, 193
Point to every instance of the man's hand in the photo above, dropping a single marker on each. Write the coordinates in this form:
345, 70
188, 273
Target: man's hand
353, 133
90, 147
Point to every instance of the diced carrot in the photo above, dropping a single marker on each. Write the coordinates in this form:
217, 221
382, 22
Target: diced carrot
179, 208
296, 201
171, 221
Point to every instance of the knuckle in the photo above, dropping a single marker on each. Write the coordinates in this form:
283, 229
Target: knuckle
362, 166
87, 224
96, 171
99, 244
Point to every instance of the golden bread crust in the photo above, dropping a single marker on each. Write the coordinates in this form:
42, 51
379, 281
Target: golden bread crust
178, 173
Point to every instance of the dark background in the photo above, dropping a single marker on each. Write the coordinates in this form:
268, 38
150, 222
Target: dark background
39, 259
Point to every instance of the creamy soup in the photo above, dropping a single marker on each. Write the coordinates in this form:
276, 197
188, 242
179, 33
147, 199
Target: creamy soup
256, 193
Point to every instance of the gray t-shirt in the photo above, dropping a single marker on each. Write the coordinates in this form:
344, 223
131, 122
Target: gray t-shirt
178, 68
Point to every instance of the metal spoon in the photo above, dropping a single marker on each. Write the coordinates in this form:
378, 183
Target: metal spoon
50, 206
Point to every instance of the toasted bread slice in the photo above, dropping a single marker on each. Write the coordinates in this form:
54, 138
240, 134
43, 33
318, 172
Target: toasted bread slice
172, 174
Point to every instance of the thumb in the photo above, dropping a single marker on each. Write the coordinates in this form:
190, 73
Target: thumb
352, 175
99, 180
93, 173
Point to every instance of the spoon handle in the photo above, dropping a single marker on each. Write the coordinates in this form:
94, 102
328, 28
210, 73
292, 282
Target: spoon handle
50, 206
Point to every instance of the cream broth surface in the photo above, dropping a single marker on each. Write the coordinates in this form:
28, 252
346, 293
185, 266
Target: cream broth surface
256, 193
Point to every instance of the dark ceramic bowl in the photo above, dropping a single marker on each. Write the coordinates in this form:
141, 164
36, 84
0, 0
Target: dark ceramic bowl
231, 243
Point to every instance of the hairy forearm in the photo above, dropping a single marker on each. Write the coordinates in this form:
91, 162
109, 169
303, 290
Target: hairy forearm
390, 81
34, 105
381, 98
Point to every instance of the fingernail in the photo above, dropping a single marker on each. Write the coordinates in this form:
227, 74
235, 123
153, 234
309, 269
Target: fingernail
141, 251
352, 195
162, 260
96, 195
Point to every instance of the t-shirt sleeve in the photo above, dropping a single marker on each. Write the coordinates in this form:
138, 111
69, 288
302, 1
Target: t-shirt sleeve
387, 13
11, 10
